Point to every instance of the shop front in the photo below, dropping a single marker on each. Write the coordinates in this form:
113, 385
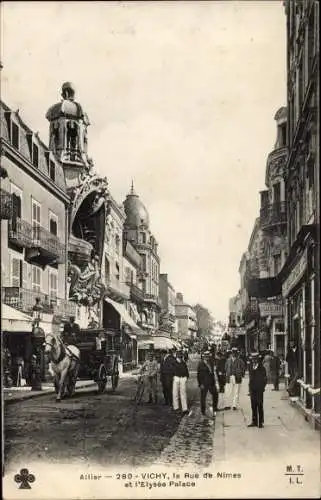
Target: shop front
302, 319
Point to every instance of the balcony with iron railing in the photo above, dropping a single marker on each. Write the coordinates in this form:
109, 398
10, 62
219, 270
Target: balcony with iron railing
45, 248
149, 297
117, 288
24, 300
20, 233
135, 292
273, 214
6, 205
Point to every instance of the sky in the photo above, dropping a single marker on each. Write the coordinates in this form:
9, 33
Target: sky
181, 98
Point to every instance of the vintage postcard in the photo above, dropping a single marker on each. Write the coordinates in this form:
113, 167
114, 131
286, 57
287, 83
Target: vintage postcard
160, 267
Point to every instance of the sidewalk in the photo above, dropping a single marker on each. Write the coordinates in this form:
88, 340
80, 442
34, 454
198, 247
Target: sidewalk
285, 431
22, 393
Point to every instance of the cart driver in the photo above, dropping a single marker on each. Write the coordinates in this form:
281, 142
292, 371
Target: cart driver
71, 330
149, 372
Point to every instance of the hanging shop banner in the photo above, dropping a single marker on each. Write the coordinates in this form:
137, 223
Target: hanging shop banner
295, 275
270, 309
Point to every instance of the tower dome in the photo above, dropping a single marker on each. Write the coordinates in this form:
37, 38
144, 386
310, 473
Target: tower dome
135, 210
68, 129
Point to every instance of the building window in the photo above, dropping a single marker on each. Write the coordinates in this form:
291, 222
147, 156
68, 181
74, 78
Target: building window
53, 224
144, 263
142, 238
15, 135
117, 271
35, 155
52, 171
36, 219
36, 279
16, 272
53, 286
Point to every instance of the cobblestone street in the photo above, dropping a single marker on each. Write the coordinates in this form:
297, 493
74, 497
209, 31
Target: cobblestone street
107, 429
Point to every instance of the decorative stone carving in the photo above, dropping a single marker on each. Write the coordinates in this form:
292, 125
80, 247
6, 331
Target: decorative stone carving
85, 286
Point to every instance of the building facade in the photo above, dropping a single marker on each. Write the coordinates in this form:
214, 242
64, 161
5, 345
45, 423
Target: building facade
34, 236
273, 223
167, 297
301, 275
138, 233
186, 319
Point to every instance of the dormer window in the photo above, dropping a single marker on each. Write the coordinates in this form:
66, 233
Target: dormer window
35, 155
52, 170
15, 135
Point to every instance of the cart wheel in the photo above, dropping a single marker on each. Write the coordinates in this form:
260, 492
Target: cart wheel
114, 380
102, 379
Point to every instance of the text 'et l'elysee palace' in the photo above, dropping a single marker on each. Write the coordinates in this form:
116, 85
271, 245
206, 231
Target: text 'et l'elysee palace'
70, 248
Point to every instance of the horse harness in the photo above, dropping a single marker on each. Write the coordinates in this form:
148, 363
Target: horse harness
64, 351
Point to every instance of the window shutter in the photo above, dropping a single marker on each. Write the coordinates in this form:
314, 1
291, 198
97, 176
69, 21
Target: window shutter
52, 285
16, 272
16, 200
25, 275
53, 227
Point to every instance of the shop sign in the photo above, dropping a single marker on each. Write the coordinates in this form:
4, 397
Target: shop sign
270, 309
295, 275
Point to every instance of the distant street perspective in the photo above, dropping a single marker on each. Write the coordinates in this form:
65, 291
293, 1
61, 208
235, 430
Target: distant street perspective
160, 245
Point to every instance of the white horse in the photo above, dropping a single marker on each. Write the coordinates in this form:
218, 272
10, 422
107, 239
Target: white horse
65, 364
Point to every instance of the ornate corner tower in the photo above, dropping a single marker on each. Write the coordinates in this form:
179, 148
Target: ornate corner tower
89, 197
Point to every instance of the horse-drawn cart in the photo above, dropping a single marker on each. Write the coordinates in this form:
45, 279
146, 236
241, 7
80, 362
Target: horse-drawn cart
98, 357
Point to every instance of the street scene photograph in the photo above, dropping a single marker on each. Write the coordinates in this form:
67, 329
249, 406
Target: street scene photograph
160, 249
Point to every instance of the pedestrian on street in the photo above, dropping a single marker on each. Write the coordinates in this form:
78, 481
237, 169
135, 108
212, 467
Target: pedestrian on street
207, 381
149, 371
221, 376
275, 371
267, 366
235, 371
292, 359
258, 381
179, 383
166, 376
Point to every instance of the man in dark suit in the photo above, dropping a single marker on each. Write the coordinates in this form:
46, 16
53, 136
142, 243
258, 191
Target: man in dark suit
166, 376
258, 380
206, 381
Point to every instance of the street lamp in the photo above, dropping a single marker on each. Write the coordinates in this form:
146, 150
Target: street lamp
36, 332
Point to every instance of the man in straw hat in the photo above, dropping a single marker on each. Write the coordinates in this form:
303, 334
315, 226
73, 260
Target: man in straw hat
181, 375
258, 380
235, 371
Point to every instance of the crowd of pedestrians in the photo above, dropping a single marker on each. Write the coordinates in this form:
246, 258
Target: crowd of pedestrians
219, 375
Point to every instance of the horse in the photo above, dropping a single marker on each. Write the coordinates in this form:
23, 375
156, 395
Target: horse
65, 364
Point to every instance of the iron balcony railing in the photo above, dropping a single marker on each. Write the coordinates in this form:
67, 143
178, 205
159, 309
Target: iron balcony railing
149, 297
135, 292
118, 287
20, 232
42, 238
6, 205
272, 214
24, 300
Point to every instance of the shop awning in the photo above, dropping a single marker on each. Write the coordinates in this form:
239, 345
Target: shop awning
13, 320
159, 343
125, 316
264, 287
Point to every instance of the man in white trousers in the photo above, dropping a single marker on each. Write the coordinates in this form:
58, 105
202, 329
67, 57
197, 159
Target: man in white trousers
179, 383
235, 371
